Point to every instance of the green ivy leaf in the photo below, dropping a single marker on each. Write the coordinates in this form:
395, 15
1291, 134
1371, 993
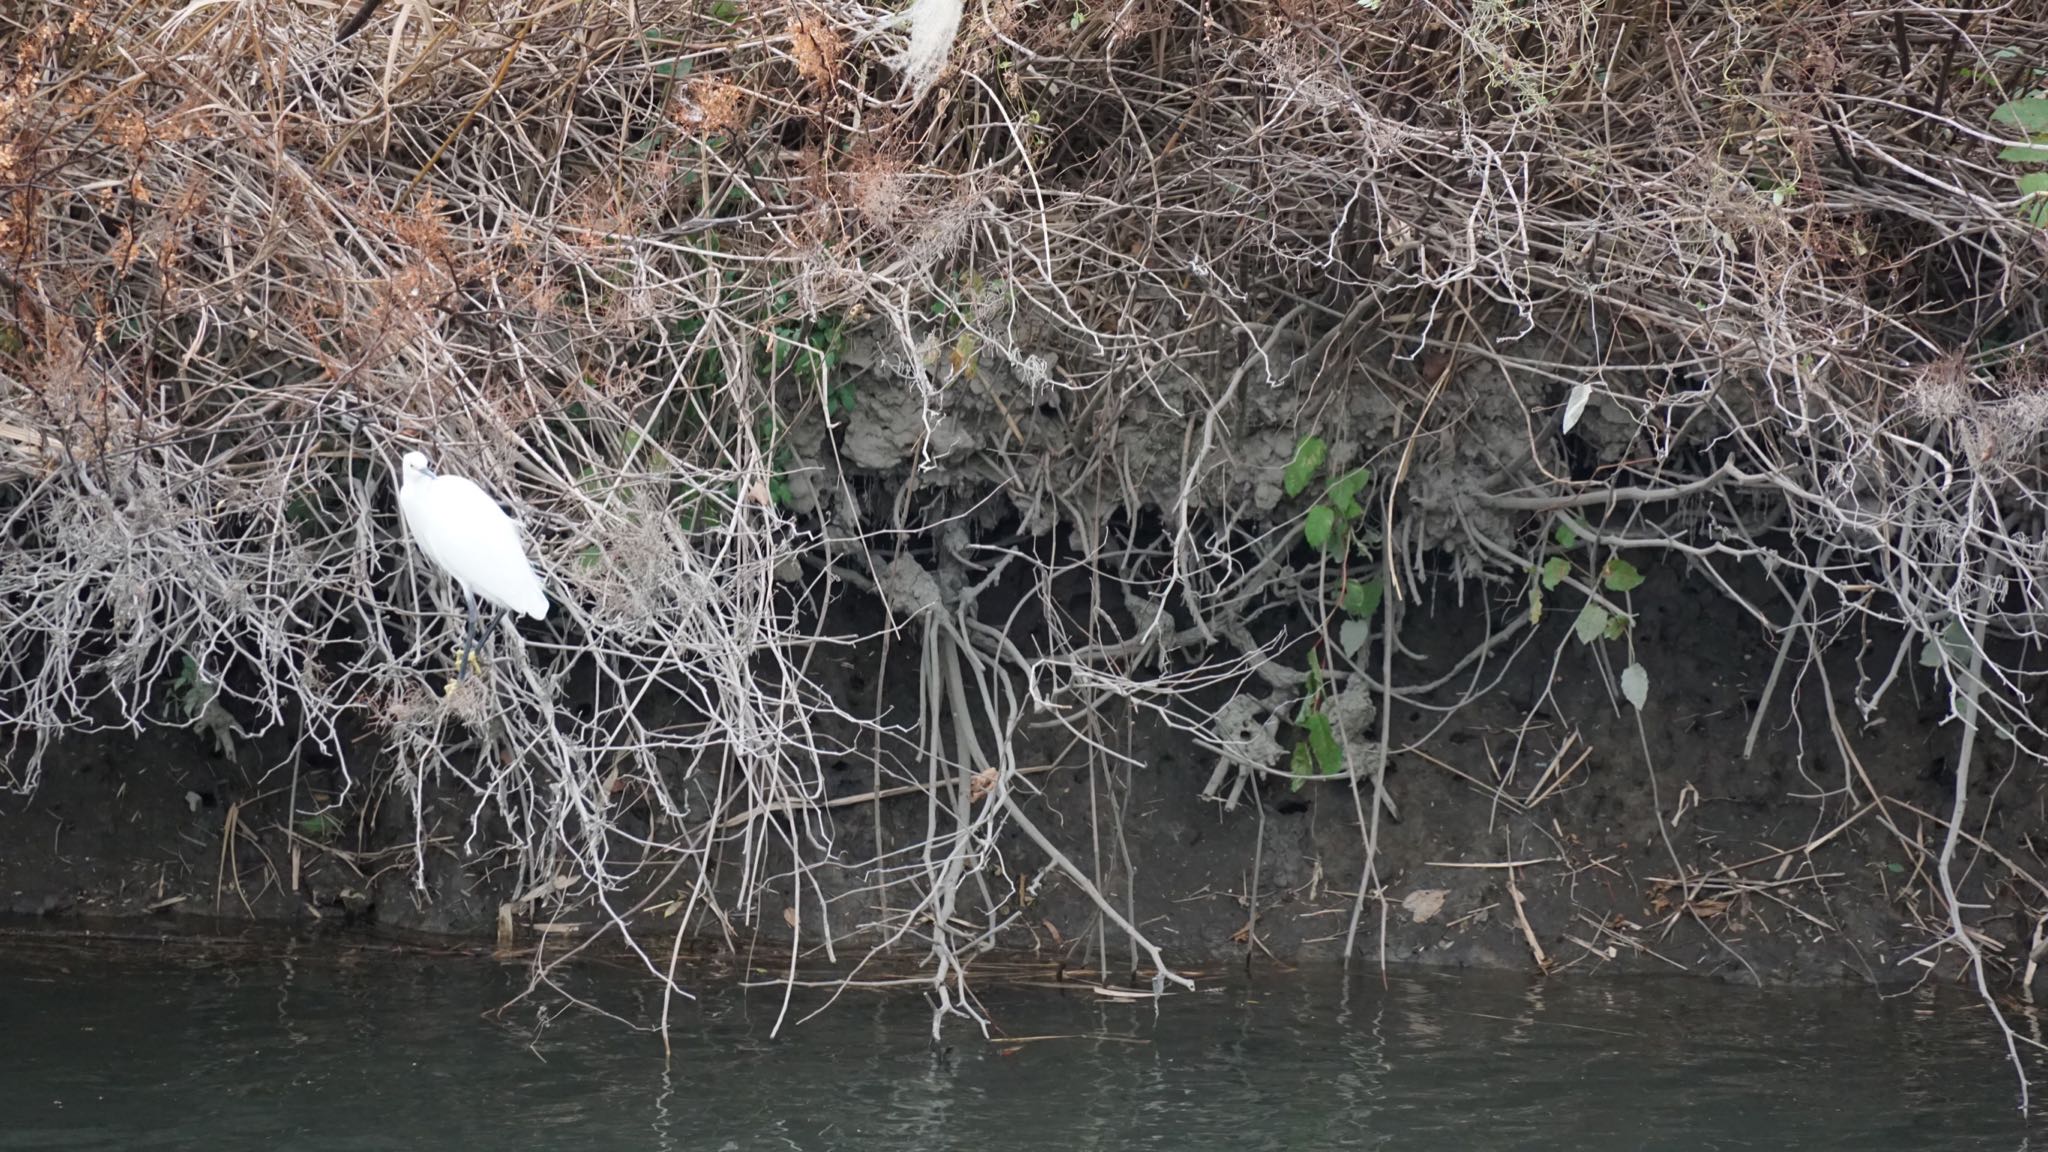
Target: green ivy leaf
2029, 115
1316, 529
1591, 623
1620, 576
2035, 153
1362, 600
1322, 741
1555, 570
1616, 625
1302, 765
1344, 493
1308, 459
1564, 536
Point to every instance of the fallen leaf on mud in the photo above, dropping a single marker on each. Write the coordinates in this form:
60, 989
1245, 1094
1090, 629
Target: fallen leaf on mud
1424, 903
789, 917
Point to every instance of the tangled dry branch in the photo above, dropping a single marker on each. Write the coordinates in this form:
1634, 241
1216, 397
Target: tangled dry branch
606, 256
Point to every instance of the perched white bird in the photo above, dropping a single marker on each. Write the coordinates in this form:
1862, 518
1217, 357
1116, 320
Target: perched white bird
466, 535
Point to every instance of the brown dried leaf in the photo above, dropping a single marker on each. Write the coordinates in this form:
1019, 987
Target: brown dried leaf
817, 50
1424, 903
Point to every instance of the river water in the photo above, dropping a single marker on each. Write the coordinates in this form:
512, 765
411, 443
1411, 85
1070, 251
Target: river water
301, 1053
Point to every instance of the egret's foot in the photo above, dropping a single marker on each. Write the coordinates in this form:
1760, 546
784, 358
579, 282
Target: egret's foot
468, 662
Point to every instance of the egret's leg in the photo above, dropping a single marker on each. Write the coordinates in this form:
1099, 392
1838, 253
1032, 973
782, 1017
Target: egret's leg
472, 637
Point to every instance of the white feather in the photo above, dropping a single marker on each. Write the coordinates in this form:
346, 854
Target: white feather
466, 535
933, 26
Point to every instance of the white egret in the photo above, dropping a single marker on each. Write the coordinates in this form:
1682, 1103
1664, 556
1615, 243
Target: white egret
466, 535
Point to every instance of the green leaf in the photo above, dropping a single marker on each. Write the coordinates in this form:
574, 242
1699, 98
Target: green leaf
1322, 740
1620, 576
1616, 625
1363, 599
1564, 536
1535, 604
1352, 635
319, 826
1555, 570
1344, 493
2035, 184
591, 558
2029, 115
1954, 640
1894, 867
1315, 680
2035, 153
1308, 459
1316, 529
1591, 623
1635, 685
1302, 765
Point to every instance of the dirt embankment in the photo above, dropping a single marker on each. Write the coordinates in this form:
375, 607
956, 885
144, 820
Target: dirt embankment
1790, 871
1479, 488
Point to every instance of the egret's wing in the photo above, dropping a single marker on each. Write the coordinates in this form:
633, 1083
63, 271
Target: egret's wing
464, 531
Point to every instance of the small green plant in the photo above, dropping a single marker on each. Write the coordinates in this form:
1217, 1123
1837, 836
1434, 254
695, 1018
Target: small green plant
2030, 116
1335, 518
810, 350
1951, 647
1332, 526
199, 699
320, 826
1317, 752
1594, 621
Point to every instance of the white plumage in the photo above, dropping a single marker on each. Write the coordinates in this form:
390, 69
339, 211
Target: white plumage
466, 535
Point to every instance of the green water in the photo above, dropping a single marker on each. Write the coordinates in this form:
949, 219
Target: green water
309, 1053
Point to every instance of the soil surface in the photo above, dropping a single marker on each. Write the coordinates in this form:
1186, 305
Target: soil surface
132, 826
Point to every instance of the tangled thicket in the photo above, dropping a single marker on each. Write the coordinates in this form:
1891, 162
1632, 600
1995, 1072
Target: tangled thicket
605, 255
